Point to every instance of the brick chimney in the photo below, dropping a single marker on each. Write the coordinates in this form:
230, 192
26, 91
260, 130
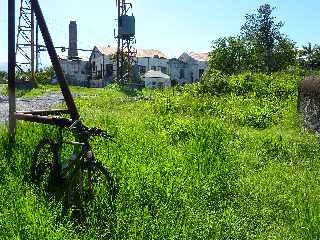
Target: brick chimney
73, 40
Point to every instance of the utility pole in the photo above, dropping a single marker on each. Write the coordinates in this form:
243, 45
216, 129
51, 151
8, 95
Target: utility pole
11, 68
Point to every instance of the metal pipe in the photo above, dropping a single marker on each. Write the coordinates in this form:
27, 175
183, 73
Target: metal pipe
55, 61
11, 67
57, 121
45, 112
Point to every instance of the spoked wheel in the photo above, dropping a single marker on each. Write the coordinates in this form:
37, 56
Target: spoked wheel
45, 168
96, 190
98, 181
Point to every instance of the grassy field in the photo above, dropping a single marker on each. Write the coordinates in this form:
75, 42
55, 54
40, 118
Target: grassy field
190, 165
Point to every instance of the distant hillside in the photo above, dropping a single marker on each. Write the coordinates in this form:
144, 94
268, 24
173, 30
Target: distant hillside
3, 66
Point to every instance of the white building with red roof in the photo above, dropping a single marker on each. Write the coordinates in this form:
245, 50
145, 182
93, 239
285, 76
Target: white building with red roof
103, 64
188, 68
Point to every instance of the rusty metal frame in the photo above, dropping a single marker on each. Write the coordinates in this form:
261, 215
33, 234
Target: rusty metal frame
37, 116
126, 50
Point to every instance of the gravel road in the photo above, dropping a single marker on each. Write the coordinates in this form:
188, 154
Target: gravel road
36, 103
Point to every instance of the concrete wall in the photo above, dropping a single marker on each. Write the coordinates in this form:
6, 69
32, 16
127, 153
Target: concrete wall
175, 68
157, 64
194, 68
76, 71
102, 66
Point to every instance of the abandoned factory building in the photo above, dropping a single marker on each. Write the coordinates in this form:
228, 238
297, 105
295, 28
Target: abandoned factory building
103, 63
100, 68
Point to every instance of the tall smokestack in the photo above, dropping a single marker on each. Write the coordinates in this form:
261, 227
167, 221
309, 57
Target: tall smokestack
73, 40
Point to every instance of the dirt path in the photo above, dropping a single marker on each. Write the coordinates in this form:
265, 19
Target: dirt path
37, 103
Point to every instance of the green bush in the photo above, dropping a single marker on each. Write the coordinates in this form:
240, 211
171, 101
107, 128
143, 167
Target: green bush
45, 77
213, 83
281, 84
3, 77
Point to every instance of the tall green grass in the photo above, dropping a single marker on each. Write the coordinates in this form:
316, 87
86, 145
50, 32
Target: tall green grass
193, 163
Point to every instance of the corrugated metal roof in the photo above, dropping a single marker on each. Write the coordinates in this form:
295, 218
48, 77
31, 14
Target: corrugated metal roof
108, 50
203, 57
156, 74
150, 53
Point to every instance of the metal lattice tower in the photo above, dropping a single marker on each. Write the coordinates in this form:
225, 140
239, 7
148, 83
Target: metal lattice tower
126, 52
25, 45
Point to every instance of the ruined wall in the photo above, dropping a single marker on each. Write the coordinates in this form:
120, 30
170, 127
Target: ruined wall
156, 64
76, 71
309, 103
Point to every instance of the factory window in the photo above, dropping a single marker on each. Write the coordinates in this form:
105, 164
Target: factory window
109, 70
143, 69
181, 73
201, 72
163, 69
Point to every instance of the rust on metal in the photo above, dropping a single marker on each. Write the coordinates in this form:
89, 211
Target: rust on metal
45, 112
55, 61
54, 120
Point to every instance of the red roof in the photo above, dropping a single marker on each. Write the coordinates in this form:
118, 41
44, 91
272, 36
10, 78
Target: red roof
151, 53
204, 57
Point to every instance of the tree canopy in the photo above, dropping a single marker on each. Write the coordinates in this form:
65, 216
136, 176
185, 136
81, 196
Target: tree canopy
260, 47
309, 56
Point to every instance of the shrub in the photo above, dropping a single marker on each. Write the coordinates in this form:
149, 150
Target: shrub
213, 83
45, 76
280, 84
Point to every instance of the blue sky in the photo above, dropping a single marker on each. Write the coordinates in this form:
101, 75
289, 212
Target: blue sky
172, 26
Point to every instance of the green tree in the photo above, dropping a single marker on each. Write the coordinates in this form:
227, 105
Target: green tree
309, 56
284, 54
3, 76
266, 42
229, 55
261, 47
